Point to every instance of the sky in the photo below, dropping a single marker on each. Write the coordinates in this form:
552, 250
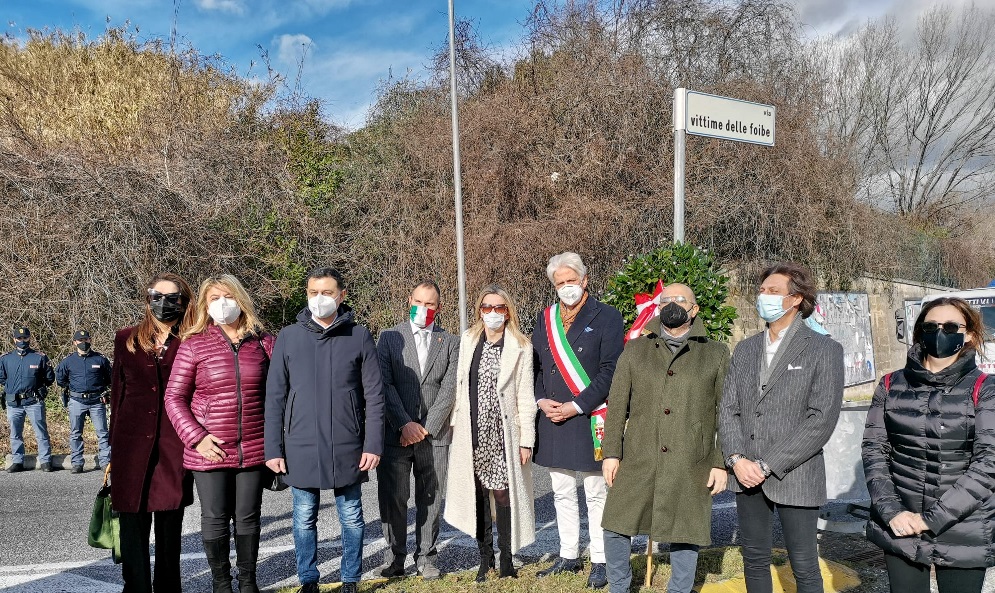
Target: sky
343, 50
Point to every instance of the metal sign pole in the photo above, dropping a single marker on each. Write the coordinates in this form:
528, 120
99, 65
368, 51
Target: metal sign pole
680, 161
457, 178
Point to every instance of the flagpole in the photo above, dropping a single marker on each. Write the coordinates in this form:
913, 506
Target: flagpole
457, 178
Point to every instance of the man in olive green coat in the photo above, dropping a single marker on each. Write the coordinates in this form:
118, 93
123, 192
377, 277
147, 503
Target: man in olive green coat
662, 462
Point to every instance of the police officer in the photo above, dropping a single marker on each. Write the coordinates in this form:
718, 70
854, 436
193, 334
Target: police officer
85, 377
25, 375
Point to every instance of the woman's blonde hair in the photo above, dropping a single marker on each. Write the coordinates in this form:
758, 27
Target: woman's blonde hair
512, 324
248, 322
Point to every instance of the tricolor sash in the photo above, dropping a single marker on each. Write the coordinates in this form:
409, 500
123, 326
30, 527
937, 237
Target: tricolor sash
573, 373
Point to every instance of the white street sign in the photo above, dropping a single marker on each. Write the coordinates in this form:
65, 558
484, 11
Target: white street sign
726, 118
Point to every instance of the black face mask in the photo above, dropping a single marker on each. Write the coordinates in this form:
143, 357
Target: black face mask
673, 316
83, 347
21, 344
941, 344
165, 311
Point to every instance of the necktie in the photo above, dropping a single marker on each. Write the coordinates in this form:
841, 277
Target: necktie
421, 342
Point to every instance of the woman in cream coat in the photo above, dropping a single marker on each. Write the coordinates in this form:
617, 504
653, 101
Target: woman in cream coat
493, 434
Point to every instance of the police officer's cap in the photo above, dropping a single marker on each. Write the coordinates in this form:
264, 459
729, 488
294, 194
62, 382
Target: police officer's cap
81, 334
21, 332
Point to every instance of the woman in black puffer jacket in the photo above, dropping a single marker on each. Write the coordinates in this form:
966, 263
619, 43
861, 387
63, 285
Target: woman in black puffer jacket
929, 457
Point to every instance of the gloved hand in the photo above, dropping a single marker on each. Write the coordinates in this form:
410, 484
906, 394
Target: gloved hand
3, 401
65, 398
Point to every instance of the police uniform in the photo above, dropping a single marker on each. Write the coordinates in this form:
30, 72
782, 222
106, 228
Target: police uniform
25, 375
85, 378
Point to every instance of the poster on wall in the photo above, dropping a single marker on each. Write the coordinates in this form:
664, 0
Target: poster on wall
847, 317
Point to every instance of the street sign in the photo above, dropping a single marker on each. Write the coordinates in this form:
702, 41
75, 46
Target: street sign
713, 116
728, 118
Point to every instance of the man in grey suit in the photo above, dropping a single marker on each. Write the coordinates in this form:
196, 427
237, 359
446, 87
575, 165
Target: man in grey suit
418, 363
780, 402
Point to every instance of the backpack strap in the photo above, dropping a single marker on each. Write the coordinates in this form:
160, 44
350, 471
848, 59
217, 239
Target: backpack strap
977, 388
887, 380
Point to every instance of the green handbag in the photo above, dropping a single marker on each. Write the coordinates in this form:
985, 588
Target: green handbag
105, 527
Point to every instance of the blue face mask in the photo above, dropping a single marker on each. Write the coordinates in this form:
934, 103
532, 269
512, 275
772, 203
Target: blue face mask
770, 307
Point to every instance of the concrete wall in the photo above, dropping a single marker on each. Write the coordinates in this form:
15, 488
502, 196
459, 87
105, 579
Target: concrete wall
884, 298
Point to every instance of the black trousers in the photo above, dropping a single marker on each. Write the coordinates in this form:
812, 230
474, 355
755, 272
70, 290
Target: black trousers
906, 576
429, 463
228, 495
136, 567
799, 525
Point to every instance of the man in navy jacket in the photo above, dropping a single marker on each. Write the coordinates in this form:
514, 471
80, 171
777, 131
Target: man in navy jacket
324, 421
85, 377
577, 342
25, 375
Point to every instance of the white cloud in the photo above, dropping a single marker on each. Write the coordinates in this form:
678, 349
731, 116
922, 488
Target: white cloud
232, 6
292, 48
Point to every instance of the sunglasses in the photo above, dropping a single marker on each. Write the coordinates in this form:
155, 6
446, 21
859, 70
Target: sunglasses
172, 297
949, 327
674, 299
495, 308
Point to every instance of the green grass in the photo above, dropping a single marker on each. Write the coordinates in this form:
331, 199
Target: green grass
714, 564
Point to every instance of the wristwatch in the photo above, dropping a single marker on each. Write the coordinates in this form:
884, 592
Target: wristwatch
733, 459
763, 467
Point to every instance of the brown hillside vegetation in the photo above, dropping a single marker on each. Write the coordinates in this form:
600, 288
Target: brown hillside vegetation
120, 158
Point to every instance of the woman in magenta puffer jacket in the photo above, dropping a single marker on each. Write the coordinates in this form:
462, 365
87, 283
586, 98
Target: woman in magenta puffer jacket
215, 400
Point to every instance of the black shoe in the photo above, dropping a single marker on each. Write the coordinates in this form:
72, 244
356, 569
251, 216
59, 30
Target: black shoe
506, 567
46, 467
598, 578
394, 568
246, 557
347, 588
219, 560
77, 469
313, 588
429, 571
15, 467
561, 565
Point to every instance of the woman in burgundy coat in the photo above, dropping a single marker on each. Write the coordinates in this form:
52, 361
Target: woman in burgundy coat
215, 400
149, 481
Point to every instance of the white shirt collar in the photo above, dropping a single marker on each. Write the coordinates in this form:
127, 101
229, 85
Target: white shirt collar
415, 329
324, 325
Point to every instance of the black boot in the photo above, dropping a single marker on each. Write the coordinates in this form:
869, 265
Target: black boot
246, 556
217, 551
507, 568
485, 538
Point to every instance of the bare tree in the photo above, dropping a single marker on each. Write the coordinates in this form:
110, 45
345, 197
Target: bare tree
917, 115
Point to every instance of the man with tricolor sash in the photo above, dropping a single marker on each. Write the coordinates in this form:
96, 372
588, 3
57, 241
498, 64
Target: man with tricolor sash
577, 342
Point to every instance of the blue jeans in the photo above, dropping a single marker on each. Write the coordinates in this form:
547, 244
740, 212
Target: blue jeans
349, 503
78, 411
36, 412
618, 549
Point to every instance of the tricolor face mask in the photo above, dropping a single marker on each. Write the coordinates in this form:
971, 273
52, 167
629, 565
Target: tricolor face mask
422, 316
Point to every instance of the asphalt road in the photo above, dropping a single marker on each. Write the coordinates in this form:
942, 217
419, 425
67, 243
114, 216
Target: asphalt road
44, 518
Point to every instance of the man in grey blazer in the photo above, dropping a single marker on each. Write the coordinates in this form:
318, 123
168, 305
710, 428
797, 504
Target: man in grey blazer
780, 402
418, 363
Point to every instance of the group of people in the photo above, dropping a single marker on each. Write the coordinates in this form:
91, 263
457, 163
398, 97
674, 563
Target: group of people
202, 396
85, 378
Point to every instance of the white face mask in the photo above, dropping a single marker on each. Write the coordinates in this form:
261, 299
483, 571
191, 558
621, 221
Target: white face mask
224, 311
493, 320
570, 294
322, 306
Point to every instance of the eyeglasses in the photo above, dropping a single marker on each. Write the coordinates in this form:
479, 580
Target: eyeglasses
172, 297
674, 299
949, 327
496, 308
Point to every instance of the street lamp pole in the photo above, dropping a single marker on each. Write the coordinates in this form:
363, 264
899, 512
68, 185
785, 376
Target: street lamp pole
457, 178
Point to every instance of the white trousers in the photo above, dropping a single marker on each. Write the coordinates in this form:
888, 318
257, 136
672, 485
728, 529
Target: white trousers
568, 511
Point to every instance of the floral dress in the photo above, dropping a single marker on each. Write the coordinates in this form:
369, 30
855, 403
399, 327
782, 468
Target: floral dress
489, 463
